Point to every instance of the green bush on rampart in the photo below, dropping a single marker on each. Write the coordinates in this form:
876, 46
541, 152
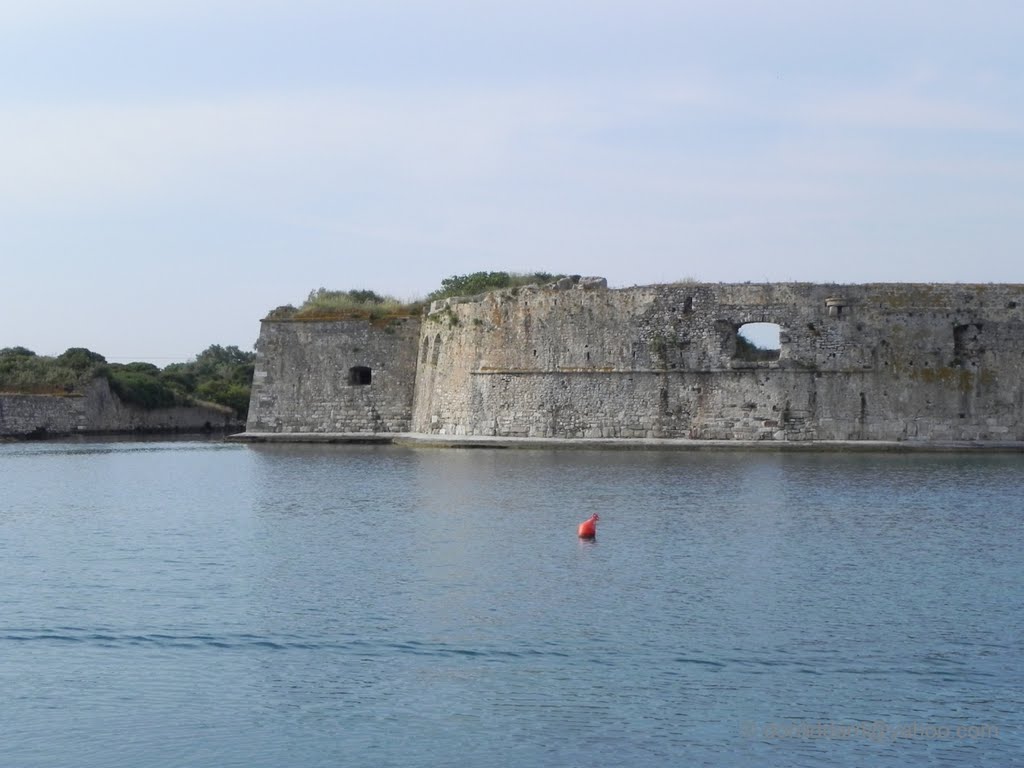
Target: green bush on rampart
480, 282
22, 371
323, 304
80, 359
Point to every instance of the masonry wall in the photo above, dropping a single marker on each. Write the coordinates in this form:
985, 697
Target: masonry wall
883, 361
340, 376
99, 410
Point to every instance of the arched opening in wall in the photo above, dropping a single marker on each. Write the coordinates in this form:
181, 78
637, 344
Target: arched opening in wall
758, 341
359, 376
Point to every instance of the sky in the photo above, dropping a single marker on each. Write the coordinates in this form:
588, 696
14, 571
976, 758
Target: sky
171, 170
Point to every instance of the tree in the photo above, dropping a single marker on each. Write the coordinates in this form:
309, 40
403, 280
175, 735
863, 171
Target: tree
221, 375
16, 352
80, 359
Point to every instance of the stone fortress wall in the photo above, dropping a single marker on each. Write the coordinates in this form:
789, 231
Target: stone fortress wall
98, 410
342, 376
925, 362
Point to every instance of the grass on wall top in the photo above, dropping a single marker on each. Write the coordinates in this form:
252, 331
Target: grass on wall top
325, 305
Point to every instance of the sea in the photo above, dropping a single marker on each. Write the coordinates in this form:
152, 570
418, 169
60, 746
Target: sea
214, 604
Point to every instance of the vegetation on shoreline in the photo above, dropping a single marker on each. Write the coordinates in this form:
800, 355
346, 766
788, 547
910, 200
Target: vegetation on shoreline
218, 375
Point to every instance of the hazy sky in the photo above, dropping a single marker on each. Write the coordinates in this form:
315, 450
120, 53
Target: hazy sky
170, 170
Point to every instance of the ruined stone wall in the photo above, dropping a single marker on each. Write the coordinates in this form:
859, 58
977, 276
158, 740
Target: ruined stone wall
99, 410
22, 415
340, 376
882, 361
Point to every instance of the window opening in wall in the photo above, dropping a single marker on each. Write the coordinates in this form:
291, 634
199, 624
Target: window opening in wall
758, 341
967, 344
359, 376
426, 348
688, 305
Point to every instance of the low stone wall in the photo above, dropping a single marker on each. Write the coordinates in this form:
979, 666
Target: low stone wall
22, 415
98, 410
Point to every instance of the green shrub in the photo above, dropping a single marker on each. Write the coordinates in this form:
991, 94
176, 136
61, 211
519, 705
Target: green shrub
147, 368
80, 359
322, 304
16, 352
480, 282
284, 312
235, 396
179, 376
367, 297
142, 389
221, 375
747, 350
22, 371
326, 304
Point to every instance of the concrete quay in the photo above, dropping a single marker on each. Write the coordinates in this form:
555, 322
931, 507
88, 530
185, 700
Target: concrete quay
637, 444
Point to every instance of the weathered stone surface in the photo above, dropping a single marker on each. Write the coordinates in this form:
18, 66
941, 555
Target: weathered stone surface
99, 410
904, 362
304, 379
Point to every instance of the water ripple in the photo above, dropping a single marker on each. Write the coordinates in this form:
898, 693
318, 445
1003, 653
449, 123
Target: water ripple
168, 605
242, 641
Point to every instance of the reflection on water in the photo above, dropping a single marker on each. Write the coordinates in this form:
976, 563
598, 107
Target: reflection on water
203, 603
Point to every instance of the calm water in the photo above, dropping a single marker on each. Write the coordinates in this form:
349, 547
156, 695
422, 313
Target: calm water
191, 604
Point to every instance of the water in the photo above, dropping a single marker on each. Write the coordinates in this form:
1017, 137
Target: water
186, 604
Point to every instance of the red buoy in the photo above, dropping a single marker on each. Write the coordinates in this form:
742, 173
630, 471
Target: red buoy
588, 528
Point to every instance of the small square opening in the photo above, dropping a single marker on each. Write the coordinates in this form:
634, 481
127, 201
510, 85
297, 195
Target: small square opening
359, 376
